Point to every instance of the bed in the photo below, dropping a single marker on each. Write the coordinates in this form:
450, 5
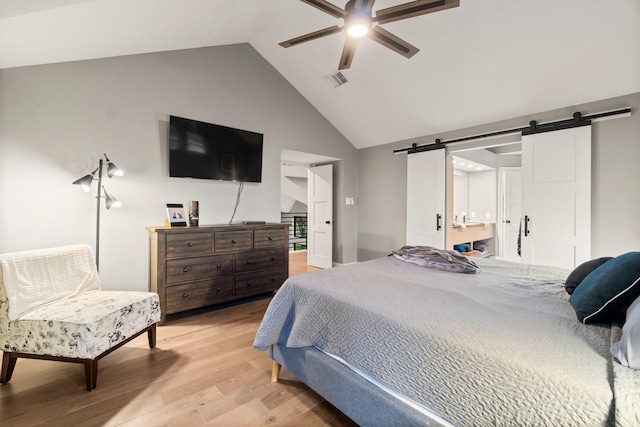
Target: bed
394, 343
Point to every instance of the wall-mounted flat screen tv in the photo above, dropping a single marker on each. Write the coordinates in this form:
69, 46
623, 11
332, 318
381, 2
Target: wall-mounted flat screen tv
208, 151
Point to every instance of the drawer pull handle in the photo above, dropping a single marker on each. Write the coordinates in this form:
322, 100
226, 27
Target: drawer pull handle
218, 290
273, 258
270, 238
273, 279
234, 241
248, 261
189, 244
185, 270
249, 283
185, 295
219, 266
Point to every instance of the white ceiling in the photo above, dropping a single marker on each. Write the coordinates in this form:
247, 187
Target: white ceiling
484, 61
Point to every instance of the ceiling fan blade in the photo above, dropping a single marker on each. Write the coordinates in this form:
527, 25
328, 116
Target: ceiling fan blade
348, 51
311, 36
392, 41
411, 9
327, 7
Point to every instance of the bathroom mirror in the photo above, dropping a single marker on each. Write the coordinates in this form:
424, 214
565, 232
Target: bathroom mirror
474, 191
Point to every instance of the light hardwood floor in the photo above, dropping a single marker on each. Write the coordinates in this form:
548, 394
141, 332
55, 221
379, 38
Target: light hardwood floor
203, 372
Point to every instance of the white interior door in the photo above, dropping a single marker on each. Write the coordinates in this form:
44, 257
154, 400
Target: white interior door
511, 198
426, 198
556, 197
320, 217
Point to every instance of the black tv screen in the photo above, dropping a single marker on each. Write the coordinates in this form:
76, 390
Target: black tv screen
208, 151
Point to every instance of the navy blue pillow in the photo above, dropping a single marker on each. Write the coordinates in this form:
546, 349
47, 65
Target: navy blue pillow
608, 290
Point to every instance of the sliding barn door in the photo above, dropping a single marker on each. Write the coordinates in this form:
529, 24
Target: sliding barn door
556, 197
426, 198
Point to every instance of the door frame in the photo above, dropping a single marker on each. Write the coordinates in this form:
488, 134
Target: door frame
307, 160
455, 150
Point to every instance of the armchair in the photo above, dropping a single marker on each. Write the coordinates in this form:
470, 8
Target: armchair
52, 307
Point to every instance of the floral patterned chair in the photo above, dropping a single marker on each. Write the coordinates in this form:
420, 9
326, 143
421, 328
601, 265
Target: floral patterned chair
52, 307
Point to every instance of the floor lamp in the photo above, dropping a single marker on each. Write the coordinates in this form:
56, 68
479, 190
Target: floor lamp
109, 200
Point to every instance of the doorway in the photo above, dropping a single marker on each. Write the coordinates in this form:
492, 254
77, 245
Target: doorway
475, 190
510, 212
294, 207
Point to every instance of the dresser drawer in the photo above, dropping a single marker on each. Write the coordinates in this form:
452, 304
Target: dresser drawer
270, 238
188, 244
264, 259
233, 241
198, 294
259, 282
187, 269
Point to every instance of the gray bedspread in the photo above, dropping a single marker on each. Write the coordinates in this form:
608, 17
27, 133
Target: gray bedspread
502, 347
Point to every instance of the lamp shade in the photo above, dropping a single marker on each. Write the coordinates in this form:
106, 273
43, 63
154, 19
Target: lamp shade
109, 200
113, 170
85, 181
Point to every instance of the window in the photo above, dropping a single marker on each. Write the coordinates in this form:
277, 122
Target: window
299, 226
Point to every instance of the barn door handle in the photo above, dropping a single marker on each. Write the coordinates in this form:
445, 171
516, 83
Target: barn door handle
526, 225
438, 220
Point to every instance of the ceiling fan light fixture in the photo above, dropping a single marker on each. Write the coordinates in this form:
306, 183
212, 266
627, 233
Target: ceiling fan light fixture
358, 28
358, 24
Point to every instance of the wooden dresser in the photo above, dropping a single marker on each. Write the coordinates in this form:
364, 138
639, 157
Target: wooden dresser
193, 267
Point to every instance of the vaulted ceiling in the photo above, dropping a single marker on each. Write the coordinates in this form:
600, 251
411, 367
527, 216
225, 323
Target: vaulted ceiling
484, 61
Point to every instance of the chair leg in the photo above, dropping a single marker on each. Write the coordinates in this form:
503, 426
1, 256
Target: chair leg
151, 334
91, 373
8, 363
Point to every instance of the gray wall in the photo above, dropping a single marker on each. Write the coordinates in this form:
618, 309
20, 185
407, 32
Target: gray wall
615, 190
56, 120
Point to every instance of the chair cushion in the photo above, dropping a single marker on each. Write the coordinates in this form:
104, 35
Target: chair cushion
84, 326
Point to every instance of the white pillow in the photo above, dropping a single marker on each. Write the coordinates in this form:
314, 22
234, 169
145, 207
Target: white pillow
627, 350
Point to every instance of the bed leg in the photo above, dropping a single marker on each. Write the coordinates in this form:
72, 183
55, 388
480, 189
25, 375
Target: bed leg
275, 371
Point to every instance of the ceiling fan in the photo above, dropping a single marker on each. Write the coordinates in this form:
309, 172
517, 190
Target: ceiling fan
359, 21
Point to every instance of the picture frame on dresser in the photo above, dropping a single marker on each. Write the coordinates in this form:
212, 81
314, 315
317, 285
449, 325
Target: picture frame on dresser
175, 214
